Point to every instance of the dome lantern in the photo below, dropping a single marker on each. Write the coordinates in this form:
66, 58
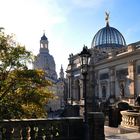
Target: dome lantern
44, 43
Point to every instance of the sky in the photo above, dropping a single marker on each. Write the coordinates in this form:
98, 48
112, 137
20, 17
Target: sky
68, 24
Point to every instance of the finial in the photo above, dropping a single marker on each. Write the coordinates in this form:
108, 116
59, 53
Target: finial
61, 66
107, 18
43, 32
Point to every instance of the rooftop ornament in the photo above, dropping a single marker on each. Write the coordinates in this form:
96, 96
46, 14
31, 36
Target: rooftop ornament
107, 18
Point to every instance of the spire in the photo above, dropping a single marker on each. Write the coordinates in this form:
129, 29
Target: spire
107, 18
61, 74
43, 32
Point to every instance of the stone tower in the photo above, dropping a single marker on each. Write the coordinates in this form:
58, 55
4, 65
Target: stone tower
44, 60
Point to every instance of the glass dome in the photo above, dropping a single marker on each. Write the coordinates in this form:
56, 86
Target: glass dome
108, 37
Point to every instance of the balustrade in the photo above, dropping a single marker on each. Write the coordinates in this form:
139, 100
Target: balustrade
42, 129
131, 120
67, 128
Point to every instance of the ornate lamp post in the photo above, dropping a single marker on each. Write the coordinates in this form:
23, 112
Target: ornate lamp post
84, 60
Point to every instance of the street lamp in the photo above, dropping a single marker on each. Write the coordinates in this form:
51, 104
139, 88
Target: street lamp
84, 61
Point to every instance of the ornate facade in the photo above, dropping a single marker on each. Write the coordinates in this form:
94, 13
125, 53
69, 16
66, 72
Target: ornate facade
113, 74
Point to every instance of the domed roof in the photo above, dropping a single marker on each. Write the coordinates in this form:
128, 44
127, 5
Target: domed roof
44, 37
108, 37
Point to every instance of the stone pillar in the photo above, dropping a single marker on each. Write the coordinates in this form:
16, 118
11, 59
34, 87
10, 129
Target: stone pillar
112, 81
70, 89
68, 96
131, 77
96, 126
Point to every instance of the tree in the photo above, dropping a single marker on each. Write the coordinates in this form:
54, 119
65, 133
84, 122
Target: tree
23, 92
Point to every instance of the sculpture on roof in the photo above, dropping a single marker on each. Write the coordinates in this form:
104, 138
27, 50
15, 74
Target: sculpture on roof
107, 17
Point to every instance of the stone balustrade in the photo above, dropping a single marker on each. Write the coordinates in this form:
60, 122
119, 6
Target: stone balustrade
42, 129
67, 128
130, 121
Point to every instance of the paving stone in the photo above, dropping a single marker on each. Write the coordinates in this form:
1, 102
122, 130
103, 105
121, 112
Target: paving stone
112, 133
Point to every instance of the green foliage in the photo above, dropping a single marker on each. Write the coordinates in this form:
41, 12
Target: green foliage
23, 92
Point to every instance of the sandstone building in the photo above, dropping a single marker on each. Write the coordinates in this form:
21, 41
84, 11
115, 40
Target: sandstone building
113, 74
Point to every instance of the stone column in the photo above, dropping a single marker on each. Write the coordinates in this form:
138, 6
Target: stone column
131, 77
112, 81
68, 96
70, 89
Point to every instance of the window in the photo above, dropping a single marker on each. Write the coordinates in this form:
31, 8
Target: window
104, 76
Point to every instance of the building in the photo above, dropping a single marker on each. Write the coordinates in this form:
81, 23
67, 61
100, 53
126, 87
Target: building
45, 61
113, 74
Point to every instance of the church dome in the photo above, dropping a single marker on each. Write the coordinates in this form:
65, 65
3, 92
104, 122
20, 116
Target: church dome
44, 37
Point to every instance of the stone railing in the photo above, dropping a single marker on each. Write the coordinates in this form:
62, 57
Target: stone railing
70, 128
42, 129
130, 121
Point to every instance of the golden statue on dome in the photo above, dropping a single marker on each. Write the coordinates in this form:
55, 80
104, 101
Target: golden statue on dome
107, 18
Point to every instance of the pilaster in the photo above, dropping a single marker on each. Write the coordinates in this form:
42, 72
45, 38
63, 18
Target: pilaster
131, 76
112, 81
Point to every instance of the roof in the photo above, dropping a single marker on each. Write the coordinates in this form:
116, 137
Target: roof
108, 37
44, 37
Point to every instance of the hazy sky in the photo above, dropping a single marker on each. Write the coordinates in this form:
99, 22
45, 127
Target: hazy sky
68, 24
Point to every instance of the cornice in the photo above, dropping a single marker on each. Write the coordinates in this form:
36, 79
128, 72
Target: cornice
130, 56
